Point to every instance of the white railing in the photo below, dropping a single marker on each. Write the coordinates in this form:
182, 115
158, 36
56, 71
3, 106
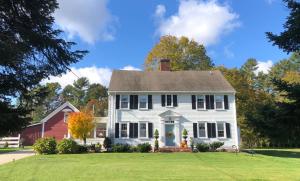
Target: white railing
11, 141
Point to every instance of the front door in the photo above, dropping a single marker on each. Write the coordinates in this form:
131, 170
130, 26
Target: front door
170, 135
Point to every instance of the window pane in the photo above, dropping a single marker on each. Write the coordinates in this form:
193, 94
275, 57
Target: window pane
143, 101
169, 100
123, 130
202, 130
124, 101
143, 128
101, 130
200, 102
219, 102
220, 129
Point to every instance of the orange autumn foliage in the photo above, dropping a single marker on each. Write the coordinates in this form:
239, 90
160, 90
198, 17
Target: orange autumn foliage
80, 124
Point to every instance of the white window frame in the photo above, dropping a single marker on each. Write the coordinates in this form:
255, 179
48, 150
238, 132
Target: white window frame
139, 135
217, 127
215, 98
120, 130
96, 130
204, 107
128, 102
171, 100
66, 115
139, 98
198, 131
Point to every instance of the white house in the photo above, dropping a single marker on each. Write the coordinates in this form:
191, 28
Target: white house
202, 102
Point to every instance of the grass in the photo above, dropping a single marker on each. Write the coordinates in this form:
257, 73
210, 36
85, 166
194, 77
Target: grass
6, 150
267, 165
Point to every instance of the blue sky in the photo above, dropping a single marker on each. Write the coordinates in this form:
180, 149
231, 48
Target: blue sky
119, 34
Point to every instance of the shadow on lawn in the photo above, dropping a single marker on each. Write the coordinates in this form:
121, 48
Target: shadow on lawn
279, 153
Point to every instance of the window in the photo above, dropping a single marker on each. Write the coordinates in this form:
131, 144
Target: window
219, 102
124, 130
143, 130
169, 100
202, 130
66, 115
124, 102
100, 130
221, 130
200, 102
143, 102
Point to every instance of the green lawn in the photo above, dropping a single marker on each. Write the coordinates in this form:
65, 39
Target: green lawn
6, 150
267, 165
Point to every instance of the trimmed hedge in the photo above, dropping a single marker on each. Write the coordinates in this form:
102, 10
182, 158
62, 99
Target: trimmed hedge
121, 148
67, 146
144, 148
202, 147
45, 146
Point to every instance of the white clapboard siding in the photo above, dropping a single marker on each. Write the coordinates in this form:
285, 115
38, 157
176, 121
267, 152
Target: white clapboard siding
12, 141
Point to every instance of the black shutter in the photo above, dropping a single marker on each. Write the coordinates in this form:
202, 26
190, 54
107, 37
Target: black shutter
130, 130
163, 100
175, 104
117, 130
150, 106
193, 102
212, 102
228, 133
135, 101
117, 101
226, 102
213, 130
195, 130
136, 129
131, 102
207, 104
150, 130
209, 130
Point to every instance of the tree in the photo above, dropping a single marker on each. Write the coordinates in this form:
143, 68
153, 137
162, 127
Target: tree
96, 91
76, 93
97, 107
184, 54
289, 39
30, 51
80, 125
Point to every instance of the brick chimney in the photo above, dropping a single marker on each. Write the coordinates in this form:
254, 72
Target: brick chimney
165, 65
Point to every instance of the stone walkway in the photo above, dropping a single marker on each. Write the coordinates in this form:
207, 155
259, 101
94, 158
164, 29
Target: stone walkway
16, 155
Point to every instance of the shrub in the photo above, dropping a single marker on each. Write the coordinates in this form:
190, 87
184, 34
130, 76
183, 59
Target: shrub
45, 146
215, 145
67, 146
202, 147
121, 148
91, 148
107, 143
144, 148
98, 147
192, 143
82, 149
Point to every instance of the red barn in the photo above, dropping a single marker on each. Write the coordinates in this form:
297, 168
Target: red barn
53, 125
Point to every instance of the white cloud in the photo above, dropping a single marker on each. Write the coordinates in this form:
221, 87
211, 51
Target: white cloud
88, 19
129, 67
94, 74
264, 66
160, 10
203, 21
270, 1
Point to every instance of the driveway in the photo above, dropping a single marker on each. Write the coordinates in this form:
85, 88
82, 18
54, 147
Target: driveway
16, 155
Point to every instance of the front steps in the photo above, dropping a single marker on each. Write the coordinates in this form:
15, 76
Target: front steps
170, 149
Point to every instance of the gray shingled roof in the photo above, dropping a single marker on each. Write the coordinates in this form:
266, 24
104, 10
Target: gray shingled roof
194, 81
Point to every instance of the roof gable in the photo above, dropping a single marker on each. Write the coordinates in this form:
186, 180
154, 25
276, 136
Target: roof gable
173, 81
57, 110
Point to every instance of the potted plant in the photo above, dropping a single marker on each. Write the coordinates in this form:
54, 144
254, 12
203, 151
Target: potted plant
156, 136
185, 135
